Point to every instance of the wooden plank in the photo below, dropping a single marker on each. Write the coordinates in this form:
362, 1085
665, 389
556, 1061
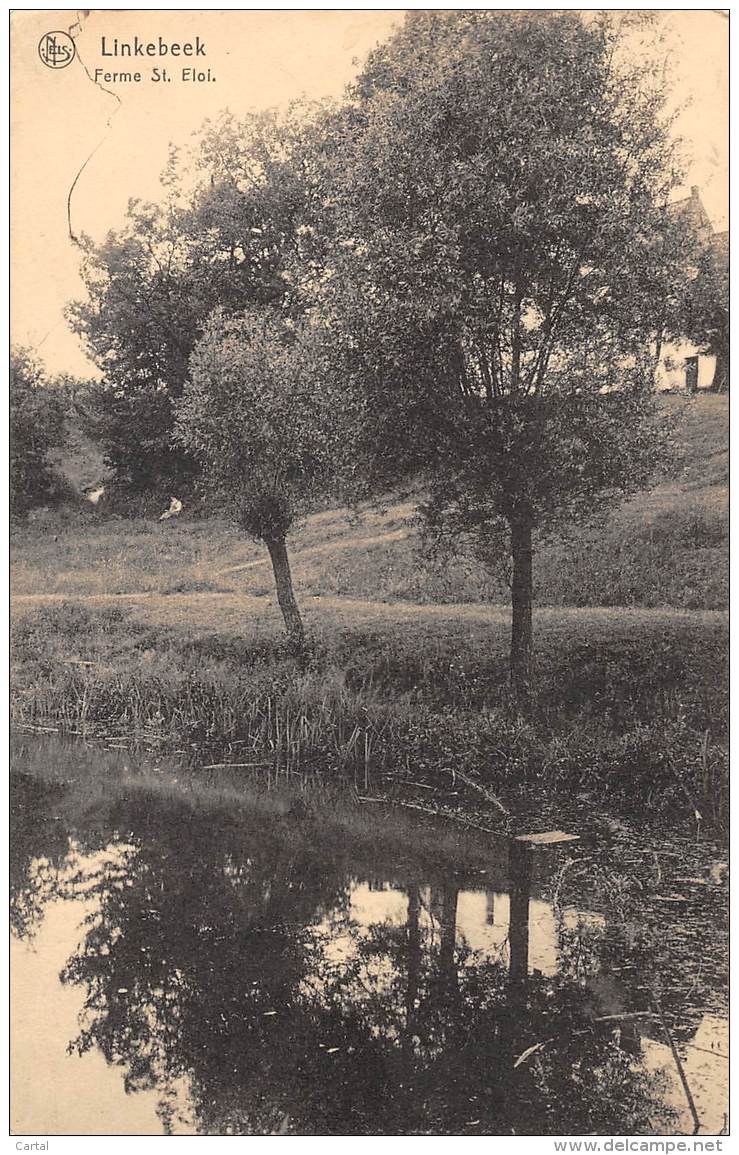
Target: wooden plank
548, 838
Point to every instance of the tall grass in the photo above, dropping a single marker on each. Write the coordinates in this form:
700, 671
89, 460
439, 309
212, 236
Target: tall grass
632, 721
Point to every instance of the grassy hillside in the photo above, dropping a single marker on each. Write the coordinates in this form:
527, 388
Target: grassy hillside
666, 547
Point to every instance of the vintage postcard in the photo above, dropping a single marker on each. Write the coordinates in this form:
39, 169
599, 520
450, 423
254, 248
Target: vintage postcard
369, 406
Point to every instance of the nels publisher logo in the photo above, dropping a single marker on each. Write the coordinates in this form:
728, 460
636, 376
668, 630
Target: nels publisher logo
56, 49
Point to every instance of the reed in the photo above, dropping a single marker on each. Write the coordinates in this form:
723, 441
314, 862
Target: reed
634, 727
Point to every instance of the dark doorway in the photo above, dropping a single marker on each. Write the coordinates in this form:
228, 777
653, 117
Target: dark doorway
691, 374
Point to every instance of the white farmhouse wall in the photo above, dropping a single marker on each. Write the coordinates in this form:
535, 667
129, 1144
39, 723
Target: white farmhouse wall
671, 367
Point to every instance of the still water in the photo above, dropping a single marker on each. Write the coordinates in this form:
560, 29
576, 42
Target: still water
184, 965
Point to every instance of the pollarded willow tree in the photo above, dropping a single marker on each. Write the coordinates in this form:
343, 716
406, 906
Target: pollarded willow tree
257, 414
494, 197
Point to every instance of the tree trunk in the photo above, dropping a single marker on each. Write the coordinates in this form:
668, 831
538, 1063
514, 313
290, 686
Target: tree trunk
413, 944
720, 383
522, 594
657, 354
448, 939
414, 950
286, 594
519, 870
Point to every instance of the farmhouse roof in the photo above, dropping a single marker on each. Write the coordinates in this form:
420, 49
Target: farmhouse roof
719, 245
691, 211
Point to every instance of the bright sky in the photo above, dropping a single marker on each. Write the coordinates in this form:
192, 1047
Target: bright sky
258, 59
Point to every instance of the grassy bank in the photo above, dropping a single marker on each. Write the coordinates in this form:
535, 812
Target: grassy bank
630, 710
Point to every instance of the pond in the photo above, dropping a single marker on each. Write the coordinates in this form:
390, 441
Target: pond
184, 964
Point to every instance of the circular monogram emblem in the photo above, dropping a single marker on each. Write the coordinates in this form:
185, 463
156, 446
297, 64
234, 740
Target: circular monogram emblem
56, 49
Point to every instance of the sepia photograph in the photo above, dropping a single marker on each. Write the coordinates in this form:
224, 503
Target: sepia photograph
369, 575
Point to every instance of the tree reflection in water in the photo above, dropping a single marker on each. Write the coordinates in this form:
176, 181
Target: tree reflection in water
38, 852
222, 956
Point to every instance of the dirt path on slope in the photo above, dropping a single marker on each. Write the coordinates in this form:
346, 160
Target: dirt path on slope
326, 547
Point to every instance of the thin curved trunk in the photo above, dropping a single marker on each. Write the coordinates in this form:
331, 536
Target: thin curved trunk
521, 598
286, 594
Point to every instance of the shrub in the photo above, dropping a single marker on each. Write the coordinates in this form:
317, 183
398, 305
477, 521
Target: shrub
36, 428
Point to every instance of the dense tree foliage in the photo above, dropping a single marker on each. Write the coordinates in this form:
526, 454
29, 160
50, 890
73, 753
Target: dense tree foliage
37, 413
257, 414
222, 236
495, 197
702, 312
482, 226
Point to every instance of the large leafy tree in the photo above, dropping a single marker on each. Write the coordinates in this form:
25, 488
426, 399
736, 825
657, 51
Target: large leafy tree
494, 194
257, 414
702, 310
138, 324
37, 422
223, 236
